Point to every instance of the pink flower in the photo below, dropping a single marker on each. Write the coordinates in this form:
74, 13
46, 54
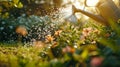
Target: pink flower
96, 61
68, 49
87, 31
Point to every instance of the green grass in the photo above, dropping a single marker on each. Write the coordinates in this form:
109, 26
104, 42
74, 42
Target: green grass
19, 56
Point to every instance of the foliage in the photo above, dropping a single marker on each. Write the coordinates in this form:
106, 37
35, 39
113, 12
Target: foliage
70, 45
37, 28
16, 8
6, 7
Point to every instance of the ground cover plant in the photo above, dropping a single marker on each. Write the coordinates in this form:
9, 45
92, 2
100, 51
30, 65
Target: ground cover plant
70, 45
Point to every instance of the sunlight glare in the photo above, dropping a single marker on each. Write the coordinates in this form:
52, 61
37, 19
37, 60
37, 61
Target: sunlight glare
67, 11
72, 0
92, 2
78, 3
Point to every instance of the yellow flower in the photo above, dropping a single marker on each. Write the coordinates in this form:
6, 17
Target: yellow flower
21, 30
55, 44
49, 38
57, 33
38, 44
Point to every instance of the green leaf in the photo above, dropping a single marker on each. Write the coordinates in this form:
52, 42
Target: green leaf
84, 54
109, 43
115, 27
20, 5
6, 15
15, 1
1, 9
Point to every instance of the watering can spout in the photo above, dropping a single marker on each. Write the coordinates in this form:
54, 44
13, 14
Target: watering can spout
97, 18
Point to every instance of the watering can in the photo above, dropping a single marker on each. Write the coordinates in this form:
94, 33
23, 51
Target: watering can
108, 11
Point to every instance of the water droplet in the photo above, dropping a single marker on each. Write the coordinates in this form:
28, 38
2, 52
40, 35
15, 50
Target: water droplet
75, 46
1, 28
11, 27
3, 22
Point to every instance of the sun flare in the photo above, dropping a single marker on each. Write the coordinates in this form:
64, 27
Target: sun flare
92, 2
78, 3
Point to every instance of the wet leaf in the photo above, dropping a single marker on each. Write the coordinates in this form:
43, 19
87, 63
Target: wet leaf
84, 54
6, 15
15, 1
20, 5
109, 43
